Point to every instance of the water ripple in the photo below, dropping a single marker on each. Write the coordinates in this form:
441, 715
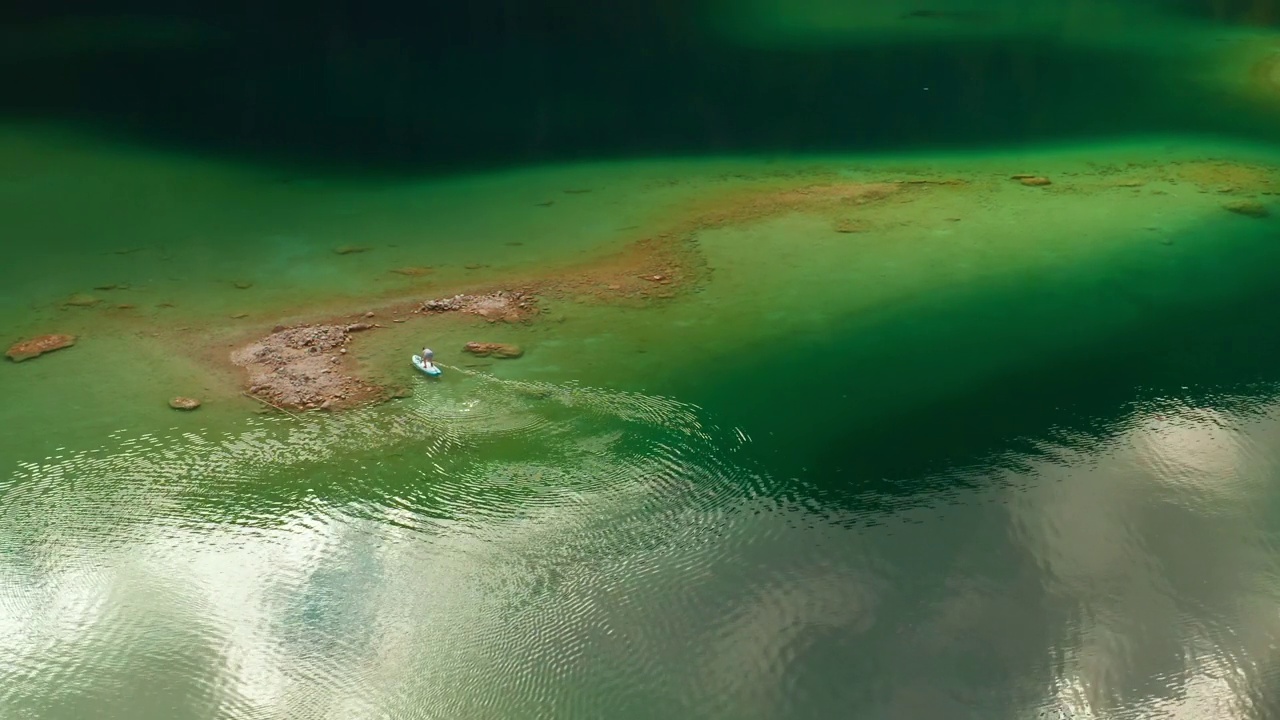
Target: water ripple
490, 548
257, 568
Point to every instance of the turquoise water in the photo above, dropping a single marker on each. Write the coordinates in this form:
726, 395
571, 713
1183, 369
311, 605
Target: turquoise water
961, 448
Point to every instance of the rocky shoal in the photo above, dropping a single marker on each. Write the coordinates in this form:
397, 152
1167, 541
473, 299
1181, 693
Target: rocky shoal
37, 346
304, 368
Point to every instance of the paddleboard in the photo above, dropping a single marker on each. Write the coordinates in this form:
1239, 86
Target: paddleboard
433, 371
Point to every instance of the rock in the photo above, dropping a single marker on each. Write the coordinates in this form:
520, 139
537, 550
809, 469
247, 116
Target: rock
184, 403
498, 350
327, 404
446, 304
242, 284
37, 346
359, 327
350, 249
508, 306
1035, 181
239, 316
369, 314
1248, 208
82, 300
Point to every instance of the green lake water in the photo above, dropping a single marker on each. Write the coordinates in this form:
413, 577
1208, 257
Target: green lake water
1002, 452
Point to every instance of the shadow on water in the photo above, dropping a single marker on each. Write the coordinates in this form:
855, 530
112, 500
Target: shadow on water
1260, 13
952, 395
1077, 402
407, 88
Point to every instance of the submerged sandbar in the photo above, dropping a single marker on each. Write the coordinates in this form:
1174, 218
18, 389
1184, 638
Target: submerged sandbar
662, 265
668, 262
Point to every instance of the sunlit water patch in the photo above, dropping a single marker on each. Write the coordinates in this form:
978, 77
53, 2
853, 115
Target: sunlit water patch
253, 569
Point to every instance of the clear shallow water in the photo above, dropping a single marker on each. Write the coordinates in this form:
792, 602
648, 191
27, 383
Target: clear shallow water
968, 477
1005, 453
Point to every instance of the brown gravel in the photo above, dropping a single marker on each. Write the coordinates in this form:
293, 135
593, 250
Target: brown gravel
303, 368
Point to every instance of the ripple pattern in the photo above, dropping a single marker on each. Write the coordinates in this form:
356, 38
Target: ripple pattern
301, 566
499, 549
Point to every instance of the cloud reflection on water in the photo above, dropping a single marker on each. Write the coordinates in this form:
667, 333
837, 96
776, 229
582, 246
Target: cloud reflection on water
644, 577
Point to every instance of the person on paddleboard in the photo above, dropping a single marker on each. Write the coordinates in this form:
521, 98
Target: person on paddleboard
428, 358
